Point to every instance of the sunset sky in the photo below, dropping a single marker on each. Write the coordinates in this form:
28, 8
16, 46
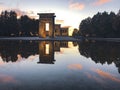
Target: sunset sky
68, 12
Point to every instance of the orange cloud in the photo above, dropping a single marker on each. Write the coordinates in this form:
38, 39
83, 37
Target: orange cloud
106, 75
101, 2
75, 66
19, 12
77, 6
95, 78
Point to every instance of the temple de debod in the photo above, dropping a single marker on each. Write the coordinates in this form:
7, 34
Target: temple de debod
59, 44
48, 28
101, 25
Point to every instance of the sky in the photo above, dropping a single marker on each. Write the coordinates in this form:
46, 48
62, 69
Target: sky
68, 12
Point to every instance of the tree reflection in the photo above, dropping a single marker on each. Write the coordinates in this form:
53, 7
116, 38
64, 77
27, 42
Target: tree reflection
101, 52
9, 50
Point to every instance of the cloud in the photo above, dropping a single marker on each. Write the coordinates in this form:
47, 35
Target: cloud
76, 6
75, 66
6, 79
106, 75
19, 12
30, 13
93, 77
101, 2
3, 7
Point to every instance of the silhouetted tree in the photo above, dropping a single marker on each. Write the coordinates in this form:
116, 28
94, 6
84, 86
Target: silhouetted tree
86, 31
75, 33
28, 26
11, 26
101, 25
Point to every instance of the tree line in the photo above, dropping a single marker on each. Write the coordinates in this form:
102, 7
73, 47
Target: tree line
105, 25
10, 25
101, 52
10, 50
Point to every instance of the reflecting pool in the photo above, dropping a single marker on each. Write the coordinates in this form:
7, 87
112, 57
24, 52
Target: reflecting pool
59, 65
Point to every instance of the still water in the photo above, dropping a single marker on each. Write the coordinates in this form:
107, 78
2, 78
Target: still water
45, 65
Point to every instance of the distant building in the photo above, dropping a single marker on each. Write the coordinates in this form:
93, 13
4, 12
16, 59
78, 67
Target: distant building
64, 31
61, 31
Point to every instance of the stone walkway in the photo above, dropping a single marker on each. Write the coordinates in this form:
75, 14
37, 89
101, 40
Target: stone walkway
41, 39
105, 39
59, 39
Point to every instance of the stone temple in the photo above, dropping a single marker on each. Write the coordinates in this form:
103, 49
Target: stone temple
48, 28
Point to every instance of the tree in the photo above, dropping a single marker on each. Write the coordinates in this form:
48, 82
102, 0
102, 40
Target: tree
28, 26
86, 31
101, 25
75, 33
11, 26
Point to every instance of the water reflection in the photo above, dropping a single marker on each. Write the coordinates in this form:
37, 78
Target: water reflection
38, 66
14, 51
101, 52
46, 51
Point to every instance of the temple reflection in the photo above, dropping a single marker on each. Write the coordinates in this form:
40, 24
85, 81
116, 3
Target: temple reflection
46, 52
13, 51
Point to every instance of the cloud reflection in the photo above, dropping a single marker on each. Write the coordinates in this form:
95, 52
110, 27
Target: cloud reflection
106, 75
75, 66
90, 76
6, 79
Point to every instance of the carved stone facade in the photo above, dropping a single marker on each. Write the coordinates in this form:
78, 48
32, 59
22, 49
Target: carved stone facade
46, 24
48, 28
